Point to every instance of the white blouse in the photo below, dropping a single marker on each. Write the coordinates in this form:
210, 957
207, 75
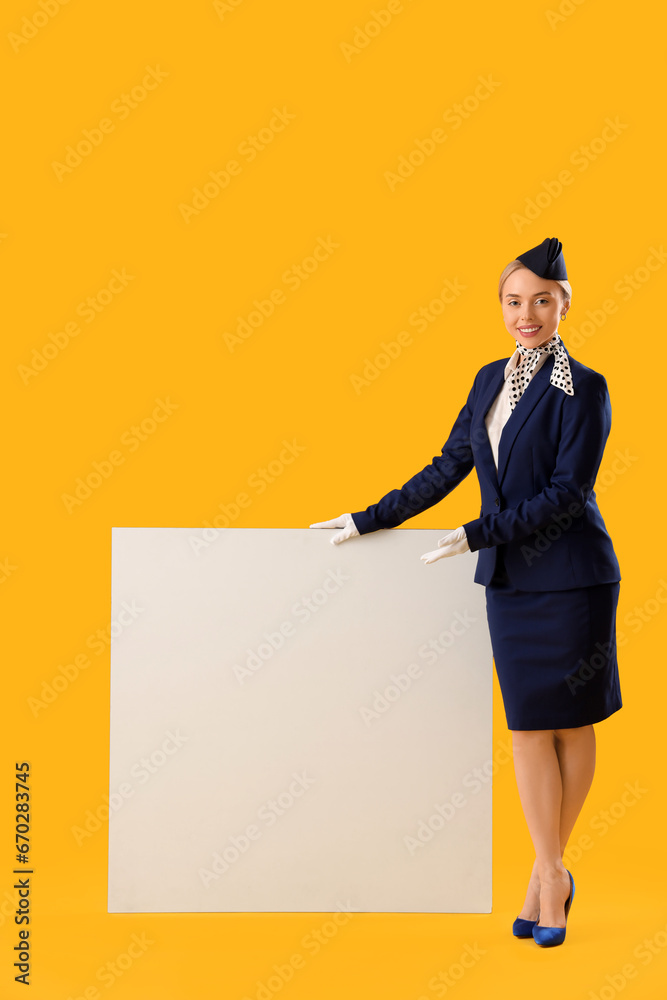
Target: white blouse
497, 416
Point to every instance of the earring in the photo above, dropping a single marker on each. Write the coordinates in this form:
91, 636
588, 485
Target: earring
562, 316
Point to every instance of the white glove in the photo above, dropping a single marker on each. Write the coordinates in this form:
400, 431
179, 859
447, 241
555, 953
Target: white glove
451, 545
345, 522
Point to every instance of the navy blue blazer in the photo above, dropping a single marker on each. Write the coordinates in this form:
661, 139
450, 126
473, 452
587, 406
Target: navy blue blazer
540, 505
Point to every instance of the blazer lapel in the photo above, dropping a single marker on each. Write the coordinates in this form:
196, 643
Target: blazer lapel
524, 407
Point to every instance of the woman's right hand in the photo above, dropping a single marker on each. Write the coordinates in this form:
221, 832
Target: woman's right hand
344, 521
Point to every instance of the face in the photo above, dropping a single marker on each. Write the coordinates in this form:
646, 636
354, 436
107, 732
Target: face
532, 307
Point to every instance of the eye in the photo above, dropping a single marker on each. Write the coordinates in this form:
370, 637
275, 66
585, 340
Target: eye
513, 301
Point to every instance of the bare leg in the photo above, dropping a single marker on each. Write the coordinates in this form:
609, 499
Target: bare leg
576, 758
575, 749
538, 777
531, 904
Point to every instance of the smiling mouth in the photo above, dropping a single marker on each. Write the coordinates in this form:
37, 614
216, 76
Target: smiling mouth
529, 329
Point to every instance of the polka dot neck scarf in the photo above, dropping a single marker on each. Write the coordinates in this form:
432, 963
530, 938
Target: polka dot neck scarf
519, 377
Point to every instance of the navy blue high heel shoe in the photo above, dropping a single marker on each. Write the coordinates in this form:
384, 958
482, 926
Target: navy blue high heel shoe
523, 928
550, 936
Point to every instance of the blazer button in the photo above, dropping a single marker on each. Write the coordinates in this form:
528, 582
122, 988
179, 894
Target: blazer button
497, 502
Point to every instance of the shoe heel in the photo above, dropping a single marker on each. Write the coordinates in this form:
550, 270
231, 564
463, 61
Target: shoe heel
548, 937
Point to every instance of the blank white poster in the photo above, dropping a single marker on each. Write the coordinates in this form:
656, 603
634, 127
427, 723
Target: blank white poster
297, 726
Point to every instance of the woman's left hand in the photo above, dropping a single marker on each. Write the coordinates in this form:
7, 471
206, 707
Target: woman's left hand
451, 545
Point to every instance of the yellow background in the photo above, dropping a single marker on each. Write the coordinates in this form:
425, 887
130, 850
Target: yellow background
460, 216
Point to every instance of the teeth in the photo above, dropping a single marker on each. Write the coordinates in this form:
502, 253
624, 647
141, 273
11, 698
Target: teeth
527, 329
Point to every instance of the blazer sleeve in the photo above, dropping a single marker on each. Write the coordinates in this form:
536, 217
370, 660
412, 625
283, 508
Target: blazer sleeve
429, 486
585, 427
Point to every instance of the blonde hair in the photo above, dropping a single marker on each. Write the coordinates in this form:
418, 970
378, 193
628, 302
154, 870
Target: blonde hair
514, 265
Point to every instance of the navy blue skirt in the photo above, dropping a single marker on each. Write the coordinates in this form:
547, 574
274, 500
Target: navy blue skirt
555, 653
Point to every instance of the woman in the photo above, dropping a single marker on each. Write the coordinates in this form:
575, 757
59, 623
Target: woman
534, 427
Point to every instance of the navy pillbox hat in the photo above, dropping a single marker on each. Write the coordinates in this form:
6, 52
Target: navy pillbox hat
546, 260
